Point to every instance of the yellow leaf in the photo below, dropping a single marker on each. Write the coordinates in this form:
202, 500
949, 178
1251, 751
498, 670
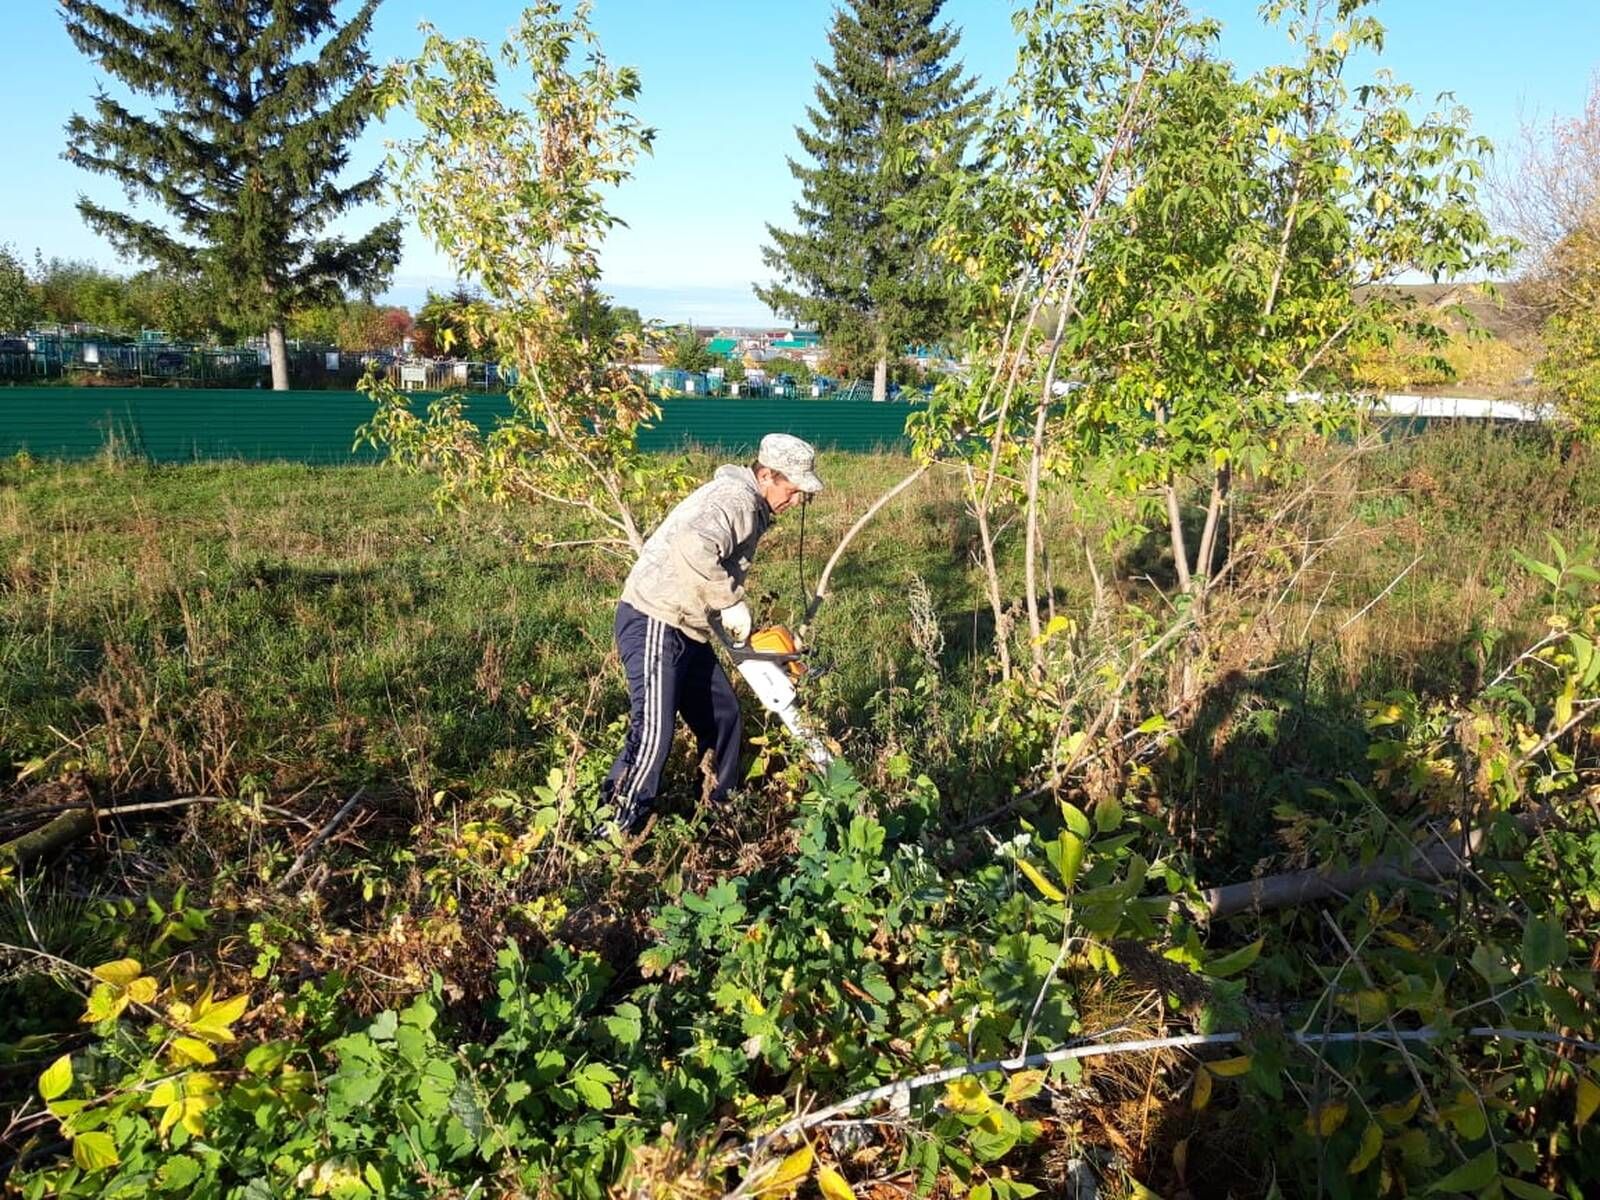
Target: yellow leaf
1071, 856
967, 1095
1399, 939
94, 1151
169, 1118
192, 1050
1588, 1100
1371, 1143
1230, 1068
164, 1093
200, 1084
120, 973
1024, 1085
1367, 1005
211, 1021
192, 1108
1400, 1112
1049, 890
57, 1078
1202, 1090
787, 1175
1324, 1120
833, 1185
142, 990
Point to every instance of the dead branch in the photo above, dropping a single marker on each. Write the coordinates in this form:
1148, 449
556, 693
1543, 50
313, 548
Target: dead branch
838, 551
322, 835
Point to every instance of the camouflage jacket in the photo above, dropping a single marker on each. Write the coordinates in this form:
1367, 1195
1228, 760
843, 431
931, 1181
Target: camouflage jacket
695, 563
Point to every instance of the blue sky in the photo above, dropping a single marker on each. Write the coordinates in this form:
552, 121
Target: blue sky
725, 82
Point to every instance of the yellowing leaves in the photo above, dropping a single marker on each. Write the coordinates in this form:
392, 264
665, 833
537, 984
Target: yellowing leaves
1371, 1143
186, 1051
1368, 1005
833, 1185
1202, 1090
94, 1151
967, 1095
183, 1101
121, 983
1024, 1085
779, 1181
1230, 1068
119, 974
1401, 1111
1323, 1120
1046, 889
1588, 1100
208, 1018
57, 1078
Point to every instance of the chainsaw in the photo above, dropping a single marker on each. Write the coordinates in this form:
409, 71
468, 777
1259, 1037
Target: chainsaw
771, 664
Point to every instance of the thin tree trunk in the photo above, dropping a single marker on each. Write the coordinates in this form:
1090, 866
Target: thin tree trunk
991, 571
880, 377
1031, 542
1180, 552
278, 356
1205, 561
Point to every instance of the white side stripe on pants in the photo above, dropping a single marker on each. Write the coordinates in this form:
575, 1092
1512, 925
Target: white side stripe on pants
650, 736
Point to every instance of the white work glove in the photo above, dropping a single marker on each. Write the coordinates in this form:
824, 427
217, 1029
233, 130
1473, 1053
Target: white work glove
736, 623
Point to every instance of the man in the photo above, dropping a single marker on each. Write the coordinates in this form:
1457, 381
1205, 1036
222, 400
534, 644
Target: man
690, 573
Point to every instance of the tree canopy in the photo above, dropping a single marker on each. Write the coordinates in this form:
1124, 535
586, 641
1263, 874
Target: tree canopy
244, 147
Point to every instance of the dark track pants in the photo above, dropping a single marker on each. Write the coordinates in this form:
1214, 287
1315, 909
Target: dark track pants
668, 673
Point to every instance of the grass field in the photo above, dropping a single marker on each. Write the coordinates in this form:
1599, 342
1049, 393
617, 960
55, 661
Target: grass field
186, 629
288, 635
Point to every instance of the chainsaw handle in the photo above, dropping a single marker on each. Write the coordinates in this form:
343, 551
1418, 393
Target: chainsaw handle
744, 653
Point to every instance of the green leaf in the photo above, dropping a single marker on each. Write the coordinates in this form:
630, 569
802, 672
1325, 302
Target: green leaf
57, 1078
383, 1025
412, 1043
94, 1151
592, 1082
420, 1014
625, 1024
266, 1058
1108, 814
1469, 1176
177, 1173
1524, 1190
1232, 964
1076, 821
1488, 961
1544, 942
1543, 570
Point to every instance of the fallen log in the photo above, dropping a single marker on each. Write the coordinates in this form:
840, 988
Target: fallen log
72, 822
1445, 859
59, 831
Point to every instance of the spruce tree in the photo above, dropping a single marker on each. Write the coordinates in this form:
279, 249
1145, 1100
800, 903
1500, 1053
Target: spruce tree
892, 119
254, 104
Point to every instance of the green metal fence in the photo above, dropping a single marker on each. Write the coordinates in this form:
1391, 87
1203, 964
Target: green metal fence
170, 425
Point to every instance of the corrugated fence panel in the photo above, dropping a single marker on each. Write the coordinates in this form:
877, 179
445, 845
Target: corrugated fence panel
170, 425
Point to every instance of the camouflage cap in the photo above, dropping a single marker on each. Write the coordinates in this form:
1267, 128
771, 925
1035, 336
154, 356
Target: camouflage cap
795, 458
